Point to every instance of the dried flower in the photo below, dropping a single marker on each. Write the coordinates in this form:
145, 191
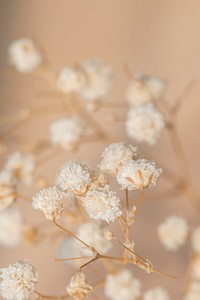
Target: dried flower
48, 200
109, 235
115, 155
69, 81
196, 240
24, 56
122, 286
78, 287
155, 85
18, 280
11, 227
103, 204
157, 293
138, 174
74, 177
66, 132
173, 232
144, 123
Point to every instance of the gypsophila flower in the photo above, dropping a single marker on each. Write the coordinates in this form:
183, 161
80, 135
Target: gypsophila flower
115, 155
122, 286
156, 86
66, 132
103, 204
93, 235
173, 232
21, 167
18, 280
195, 239
24, 56
69, 81
49, 201
157, 293
74, 177
78, 287
98, 80
138, 174
144, 123
11, 227
109, 235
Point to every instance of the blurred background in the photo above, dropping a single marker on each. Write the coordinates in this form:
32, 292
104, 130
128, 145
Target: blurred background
160, 38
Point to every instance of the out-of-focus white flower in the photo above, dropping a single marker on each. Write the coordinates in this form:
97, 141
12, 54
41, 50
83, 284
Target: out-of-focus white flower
18, 280
109, 235
11, 227
196, 240
24, 56
173, 232
21, 167
67, 132
157, 293
155, 85
74, 177
115, 155
93, 235
69, 81
122, 286
144, 123
7, 190
78, 287
138, 174
98, 80
49, 201
103, 204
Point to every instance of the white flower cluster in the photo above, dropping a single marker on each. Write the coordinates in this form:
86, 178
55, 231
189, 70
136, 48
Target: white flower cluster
18, 280
173, 232
122, 286
78, 287
24, 56
157, 293
69, 80
66, 132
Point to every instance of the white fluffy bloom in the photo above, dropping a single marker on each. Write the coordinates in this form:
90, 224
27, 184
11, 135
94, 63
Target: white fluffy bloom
157, 293
122, 286
66, 132
48, 200
173, 232
74, 177
98, 80
115, 155
196, 240
18, 280
24, 56
78, 287
21, 167
155, 85
69, 81
144, 123
138, 174
11, 227
103, 204
93, 235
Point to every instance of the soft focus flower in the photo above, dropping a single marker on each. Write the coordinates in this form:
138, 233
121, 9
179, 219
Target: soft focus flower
155, 85
11, 227
138, 174
69, 81
157, 293
24, 56
74, 177
103, 204
21, 167
122, 286
115, 155
98, 80
93, 235
196, 240
48, 200
78, 287
66, 132
173, 232
18, 280
144, 123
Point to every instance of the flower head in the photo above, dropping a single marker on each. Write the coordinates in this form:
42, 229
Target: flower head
24, 56
138, 174
78, 287
69, 81
18, 280
156, 293
48, 200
